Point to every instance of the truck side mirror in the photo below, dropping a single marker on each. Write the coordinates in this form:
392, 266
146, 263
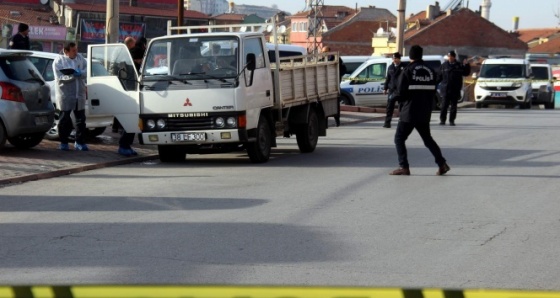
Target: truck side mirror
251, 62
474, 76
123, 74
251, 65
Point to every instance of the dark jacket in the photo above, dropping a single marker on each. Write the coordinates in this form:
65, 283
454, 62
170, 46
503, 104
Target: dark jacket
19, 42
392, 76
416, 88
451, 78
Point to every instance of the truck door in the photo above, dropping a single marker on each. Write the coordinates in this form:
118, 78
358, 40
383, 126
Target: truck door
259, 93
369, 84
113, 86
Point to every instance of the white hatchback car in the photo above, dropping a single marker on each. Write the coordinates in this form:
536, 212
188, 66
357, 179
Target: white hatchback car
97, 124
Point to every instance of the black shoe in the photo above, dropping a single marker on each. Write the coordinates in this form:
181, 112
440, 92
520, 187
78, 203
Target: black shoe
443, 169
387, 125
452, 123
442, 123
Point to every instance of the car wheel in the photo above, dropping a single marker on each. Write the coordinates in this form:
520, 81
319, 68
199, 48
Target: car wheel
171, 153
94, 132
259, 151
308, 134
345, 100
26, 141
2, 135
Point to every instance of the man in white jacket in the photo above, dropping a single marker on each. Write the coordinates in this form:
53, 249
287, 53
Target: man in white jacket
71, 95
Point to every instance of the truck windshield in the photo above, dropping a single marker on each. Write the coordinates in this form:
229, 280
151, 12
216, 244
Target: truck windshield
495, 71
192, 58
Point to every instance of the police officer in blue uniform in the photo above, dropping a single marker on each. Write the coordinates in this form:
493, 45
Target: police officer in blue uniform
415, 92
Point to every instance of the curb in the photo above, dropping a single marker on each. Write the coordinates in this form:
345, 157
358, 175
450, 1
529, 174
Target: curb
74, 170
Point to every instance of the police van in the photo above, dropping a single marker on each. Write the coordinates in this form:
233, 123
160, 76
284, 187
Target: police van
365, 86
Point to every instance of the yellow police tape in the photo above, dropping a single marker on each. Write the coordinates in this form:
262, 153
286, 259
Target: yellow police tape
256, 292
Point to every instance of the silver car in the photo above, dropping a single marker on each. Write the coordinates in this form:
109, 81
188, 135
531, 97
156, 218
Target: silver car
26, 109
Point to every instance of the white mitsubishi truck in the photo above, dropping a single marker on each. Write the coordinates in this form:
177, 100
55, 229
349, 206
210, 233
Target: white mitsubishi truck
213, 89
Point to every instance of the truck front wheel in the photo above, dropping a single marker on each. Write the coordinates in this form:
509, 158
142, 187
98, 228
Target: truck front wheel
171, 153
259, 151
308, 134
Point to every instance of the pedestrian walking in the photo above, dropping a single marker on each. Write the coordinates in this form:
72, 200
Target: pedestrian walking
69, 71
451, 83
415, 92
390, 86
20, 40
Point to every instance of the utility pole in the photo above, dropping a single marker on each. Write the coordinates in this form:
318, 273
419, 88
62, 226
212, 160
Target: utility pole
181, 12
112, 22
400, 26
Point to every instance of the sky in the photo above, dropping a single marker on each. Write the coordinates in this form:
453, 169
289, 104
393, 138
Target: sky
531, 13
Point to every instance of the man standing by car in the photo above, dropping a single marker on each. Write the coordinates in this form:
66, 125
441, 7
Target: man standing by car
69, 72
390, 86
20, 40
451, 83
415, 92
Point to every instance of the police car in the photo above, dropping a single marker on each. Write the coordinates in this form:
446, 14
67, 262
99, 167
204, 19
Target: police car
365, 86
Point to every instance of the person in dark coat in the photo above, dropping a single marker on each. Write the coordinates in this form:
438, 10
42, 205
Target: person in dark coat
390, 86
138, 52
20, 40
451, 84
415, 92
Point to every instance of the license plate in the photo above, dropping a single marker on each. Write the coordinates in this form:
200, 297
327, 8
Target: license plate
188, 137
498, 94
41, 120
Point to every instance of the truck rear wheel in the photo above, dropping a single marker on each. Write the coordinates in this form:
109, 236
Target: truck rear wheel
171, 153
259, 151
308, 134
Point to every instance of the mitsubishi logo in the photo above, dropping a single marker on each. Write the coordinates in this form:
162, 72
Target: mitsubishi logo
499, 88
187, 103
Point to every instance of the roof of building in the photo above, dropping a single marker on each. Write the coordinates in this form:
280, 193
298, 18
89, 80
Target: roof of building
27, 15
229, 17
446, 24
366, 14
528, 35
136, 10
549, 47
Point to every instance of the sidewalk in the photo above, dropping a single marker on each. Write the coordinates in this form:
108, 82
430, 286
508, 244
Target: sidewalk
46, 161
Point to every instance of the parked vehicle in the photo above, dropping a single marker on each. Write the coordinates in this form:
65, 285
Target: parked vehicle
365, 85
242, 103
543, 85
353, 62
96, 124
26, 110
504, 81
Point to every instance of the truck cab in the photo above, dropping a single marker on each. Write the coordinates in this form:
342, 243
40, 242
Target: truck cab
543, 85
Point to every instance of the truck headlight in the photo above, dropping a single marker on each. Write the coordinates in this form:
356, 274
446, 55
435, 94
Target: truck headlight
516, 84
150, 124
219, 122
161, 124
231, 122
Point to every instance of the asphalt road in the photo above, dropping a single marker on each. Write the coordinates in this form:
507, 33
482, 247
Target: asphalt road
333, 217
